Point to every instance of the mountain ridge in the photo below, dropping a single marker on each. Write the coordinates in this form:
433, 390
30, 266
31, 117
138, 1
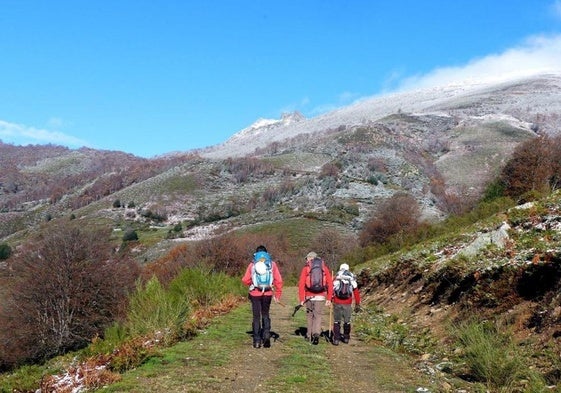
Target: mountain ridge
437, 100
448, 148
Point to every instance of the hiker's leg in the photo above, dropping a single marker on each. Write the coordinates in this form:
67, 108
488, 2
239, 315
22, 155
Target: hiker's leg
265, 307
347, 311
309, 319
318, 312
256, 323
336, 333
337, 318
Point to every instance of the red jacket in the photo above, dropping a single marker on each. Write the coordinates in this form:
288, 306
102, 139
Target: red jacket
303, 293
277, 282
356, 297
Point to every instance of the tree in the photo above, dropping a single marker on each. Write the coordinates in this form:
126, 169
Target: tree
397, 215
332, 246
529, 168
68, 287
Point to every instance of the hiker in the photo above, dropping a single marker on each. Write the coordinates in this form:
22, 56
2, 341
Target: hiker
345, 289
265, 283
315, 291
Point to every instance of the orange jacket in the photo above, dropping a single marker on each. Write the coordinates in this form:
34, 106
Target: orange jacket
303, 293
277, 282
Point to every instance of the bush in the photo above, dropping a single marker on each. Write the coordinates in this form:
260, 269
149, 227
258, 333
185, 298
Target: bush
153, 309
535, 165
204, 288
156, 309
492, 357
5, 251
396, 216
130, 235
67, 288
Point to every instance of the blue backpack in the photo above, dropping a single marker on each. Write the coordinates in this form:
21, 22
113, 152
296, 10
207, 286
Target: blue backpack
262, 271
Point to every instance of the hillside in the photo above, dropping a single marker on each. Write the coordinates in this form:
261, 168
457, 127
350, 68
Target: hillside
440, 145
503, 270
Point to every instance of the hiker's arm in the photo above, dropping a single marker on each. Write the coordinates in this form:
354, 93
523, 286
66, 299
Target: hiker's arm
277, 281
329, 279
302, 286
356, 294
246, 279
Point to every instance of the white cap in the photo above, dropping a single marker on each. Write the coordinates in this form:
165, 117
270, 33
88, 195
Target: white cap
311, 255
344, 266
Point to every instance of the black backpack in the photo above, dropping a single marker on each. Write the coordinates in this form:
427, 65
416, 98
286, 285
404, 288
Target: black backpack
315, 282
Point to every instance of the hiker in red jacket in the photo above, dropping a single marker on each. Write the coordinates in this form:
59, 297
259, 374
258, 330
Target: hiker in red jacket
314, 290
345, 289
265, 283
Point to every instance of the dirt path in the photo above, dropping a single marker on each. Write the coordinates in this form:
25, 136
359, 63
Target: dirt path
211, 363
354, 366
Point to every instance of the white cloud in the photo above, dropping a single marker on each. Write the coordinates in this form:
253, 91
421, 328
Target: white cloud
20, 134
538, 54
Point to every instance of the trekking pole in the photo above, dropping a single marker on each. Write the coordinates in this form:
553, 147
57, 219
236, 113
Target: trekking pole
277, 300
331, 315
298, 307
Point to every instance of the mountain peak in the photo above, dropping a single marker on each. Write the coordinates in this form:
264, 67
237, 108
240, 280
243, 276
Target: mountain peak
262, 126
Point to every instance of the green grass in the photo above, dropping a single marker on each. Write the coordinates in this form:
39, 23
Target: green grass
492, 358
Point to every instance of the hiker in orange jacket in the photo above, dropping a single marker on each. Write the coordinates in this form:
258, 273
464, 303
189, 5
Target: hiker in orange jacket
345, 290
314, 298
265, 283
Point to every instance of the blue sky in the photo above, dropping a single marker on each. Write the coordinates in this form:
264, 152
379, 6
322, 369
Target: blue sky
152, 77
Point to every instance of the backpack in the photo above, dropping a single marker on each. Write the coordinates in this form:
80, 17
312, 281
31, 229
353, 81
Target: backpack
315, 282
262, 271
343, 286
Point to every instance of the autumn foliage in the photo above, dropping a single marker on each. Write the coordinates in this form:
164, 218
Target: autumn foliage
535, 166
398, 215
64, 288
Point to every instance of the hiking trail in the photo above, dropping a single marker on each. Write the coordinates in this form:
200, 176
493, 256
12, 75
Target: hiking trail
222, 359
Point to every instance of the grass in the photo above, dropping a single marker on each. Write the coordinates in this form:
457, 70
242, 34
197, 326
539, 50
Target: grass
189, 364
492, 358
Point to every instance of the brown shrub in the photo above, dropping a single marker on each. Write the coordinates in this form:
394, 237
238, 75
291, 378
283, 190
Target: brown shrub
397, 215
67, 287
229, 253
534, 166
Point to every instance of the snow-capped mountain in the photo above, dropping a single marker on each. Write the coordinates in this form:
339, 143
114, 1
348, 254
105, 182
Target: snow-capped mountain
524, 100
263, 126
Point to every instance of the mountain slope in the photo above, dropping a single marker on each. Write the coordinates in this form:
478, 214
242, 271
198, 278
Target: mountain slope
438, 145
533, 100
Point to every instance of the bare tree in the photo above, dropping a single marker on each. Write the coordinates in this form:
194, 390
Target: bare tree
67, 288
332, 245
399, 214
534, 166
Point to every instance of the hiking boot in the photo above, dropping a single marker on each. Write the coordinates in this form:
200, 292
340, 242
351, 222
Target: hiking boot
346, 333
336, 333
315, 339
267, 343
